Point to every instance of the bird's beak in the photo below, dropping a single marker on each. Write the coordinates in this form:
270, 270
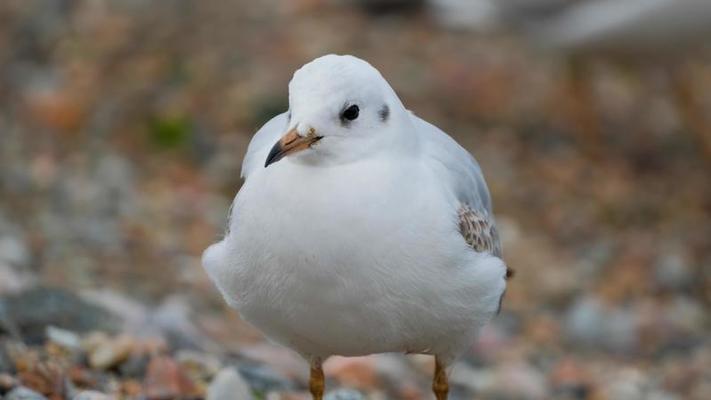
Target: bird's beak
291, 143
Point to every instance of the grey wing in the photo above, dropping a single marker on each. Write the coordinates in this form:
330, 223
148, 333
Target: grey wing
262, 142
464, 176
456, 165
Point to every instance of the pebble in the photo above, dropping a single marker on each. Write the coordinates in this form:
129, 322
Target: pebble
92, 395
395, 373
12, 280
476, 15
263, 377
23, 393
353, 371
227, 385
344, 394
283, 360
13, 251
34, 309
6, 363
135, 365
132, 313
519, 380
7, 382
166, 380
63, 338
470, 378
105, 352
672, 271
628, 384
590, 323
202, 364
172, 319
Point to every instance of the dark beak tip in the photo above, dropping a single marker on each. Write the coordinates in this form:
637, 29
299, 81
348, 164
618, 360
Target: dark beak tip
275, 154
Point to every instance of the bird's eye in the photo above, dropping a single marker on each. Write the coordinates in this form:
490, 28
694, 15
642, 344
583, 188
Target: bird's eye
350, 113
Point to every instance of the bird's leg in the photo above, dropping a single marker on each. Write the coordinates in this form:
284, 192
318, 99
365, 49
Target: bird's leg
316, 381
440, 384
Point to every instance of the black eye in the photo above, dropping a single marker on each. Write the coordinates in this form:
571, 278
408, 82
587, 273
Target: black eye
350, 113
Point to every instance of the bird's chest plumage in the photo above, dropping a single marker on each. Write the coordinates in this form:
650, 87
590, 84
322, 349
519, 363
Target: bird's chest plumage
327, 222
318, 252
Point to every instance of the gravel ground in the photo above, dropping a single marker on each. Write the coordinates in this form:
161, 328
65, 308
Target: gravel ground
122, 127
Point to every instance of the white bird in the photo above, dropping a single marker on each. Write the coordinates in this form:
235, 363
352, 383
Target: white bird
360, 228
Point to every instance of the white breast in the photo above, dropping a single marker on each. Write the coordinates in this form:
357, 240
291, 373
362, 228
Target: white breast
331, 263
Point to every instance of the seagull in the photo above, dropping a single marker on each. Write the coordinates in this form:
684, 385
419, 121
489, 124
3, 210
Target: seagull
360, 228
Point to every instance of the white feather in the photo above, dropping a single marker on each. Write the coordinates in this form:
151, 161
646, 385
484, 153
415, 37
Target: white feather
352, 247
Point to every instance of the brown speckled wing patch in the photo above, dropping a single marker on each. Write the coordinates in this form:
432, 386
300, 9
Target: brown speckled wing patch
480, 232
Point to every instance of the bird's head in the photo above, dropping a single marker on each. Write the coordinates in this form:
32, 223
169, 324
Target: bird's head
340, 110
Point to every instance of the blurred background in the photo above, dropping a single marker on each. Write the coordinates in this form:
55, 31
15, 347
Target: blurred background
122, 129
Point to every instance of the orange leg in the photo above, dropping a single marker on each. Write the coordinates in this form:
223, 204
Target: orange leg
316, 381
440, 384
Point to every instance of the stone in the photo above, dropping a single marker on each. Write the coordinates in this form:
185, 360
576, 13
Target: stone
198, 364
569, 377
166, 380
228, 384
7, 383
281, 359
23, 393
518, 380
344, 394
628, 383
105, 352
476, 15
133, 314
32, 310
135, 365
92, 395
352, 371
591, 323
63, 338
172, 319
13, 280
13, 251
264, 378
396, 374
470, 378
7, 365
672, 271
201, 368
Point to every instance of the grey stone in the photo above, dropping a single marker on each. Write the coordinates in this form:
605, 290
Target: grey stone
344, 394
23, 393
7, 366
172, 319
13, 251
91, 395
135, 366
228, 384
672, 271
32, 310
63, 338
263, 378
13, 279
591, 323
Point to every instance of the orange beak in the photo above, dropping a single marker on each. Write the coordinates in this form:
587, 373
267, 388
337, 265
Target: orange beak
291, 143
